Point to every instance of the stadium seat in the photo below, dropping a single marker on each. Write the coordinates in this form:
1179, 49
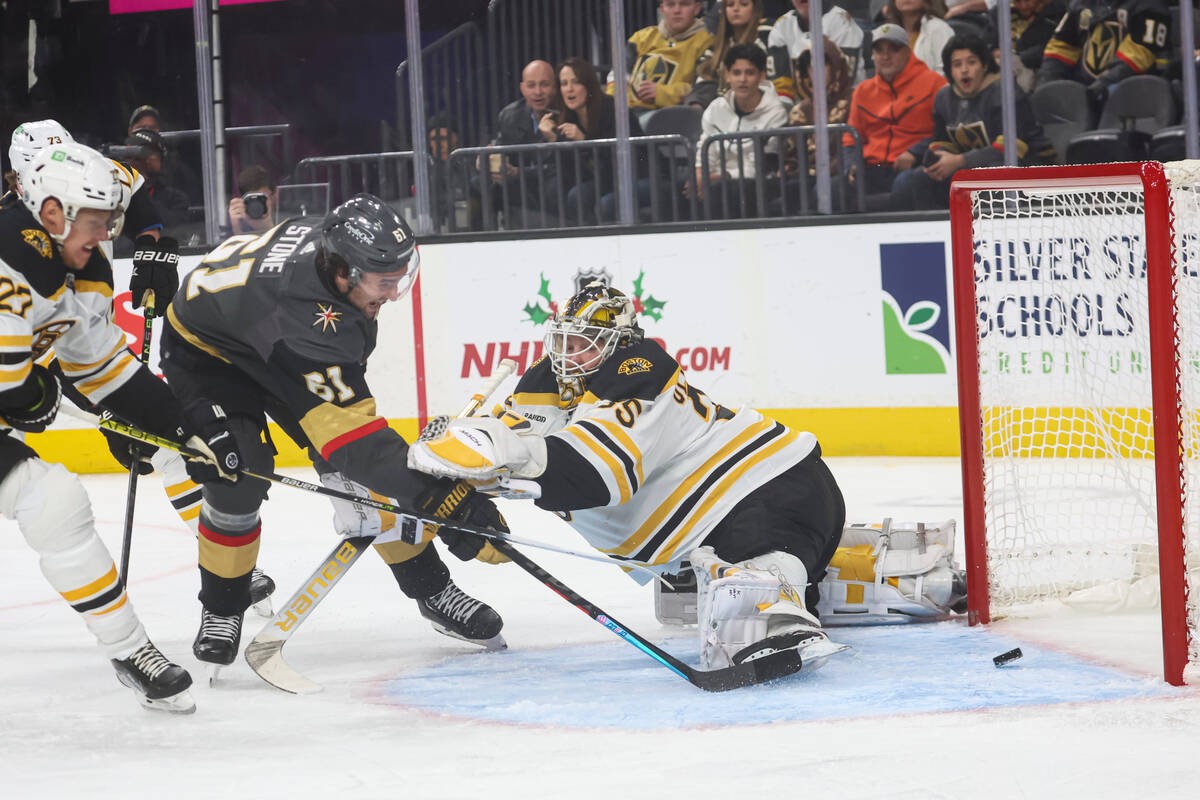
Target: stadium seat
1061, 108
684, 120
1136, 108
1168, 144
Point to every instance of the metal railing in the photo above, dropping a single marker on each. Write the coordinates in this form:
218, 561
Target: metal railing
474, 71
570, 184
784, 179
268, 145
389, 176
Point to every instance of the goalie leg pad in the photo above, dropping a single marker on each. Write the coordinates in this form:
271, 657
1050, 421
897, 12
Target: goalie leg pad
54, 514
893, 574
753, 608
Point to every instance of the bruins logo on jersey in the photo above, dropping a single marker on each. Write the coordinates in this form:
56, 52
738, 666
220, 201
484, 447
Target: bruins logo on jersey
1101, 47
972, 136
39, 241
655, 68
44, 336
632, 366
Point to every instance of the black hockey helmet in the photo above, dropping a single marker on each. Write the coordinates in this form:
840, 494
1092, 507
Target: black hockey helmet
369, 236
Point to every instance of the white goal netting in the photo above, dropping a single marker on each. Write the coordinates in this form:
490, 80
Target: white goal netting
1064, 369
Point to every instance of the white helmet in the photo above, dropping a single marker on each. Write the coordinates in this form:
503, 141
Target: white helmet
77, 177
31, 138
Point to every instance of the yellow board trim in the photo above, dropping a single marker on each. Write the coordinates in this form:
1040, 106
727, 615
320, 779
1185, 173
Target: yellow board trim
84, 450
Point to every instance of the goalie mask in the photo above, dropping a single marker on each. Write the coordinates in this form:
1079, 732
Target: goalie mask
594, 323
77, 177
367, 235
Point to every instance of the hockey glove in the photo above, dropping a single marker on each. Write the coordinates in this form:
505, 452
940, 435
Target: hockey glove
217, 456
38, 401
458, 502
479, 448
155, 269
128, 451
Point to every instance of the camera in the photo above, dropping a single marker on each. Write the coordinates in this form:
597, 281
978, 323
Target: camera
255, 204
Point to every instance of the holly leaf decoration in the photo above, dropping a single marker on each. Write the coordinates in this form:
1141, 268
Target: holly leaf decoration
653, 308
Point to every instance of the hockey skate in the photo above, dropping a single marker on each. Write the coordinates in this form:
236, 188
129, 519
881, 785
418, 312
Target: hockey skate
217, 641
455, 613
261, 589
158, 684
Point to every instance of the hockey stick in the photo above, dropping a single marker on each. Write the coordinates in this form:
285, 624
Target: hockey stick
748, 673
412, 517
264, 653
131, 489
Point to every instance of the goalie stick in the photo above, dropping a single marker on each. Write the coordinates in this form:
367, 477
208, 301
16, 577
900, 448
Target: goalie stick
107, 422
748, 673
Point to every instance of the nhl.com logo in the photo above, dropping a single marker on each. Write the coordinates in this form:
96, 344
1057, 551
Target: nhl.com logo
480, 358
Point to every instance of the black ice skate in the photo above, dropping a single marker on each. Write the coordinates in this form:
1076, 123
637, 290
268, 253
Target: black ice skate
261, 589
217, 641
158, 684
455, 613
813, 646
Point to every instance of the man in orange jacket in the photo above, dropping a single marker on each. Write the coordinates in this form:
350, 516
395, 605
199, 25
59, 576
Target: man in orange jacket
893, 111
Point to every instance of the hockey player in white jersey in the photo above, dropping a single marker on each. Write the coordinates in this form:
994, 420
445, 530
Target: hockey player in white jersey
155, 273
71, 201
646, 467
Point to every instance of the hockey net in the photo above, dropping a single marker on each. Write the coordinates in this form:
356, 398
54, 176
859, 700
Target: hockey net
1077, 299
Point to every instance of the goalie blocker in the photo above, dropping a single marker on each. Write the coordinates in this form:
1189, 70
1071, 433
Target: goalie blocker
880, 574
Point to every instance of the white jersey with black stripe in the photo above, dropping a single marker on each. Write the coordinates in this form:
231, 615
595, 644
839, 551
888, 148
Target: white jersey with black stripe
645, 464
44, 306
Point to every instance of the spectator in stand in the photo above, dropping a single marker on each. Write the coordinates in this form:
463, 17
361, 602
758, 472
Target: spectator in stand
967, 118
662, 58
927, 32
893, 111
839, 89
171, 202
518, 124
145, 117
1033, 23
253, 210
741, 22
789, 38
751, 104
451, 181
176, 173
589, 113
1082, 47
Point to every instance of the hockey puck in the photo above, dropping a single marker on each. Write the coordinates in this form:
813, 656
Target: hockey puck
1006, 658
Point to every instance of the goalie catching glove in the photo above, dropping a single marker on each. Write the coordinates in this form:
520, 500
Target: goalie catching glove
458, 502
479, 449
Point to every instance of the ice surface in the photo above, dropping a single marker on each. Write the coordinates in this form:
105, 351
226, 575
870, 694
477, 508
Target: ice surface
570, 710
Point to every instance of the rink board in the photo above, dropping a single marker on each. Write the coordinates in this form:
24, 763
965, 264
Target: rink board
917, 669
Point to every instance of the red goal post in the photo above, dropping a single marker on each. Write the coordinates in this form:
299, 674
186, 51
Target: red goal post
1077, 323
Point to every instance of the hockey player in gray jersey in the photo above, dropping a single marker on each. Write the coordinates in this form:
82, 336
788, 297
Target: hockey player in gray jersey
57, 293
282, 323
646, 466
